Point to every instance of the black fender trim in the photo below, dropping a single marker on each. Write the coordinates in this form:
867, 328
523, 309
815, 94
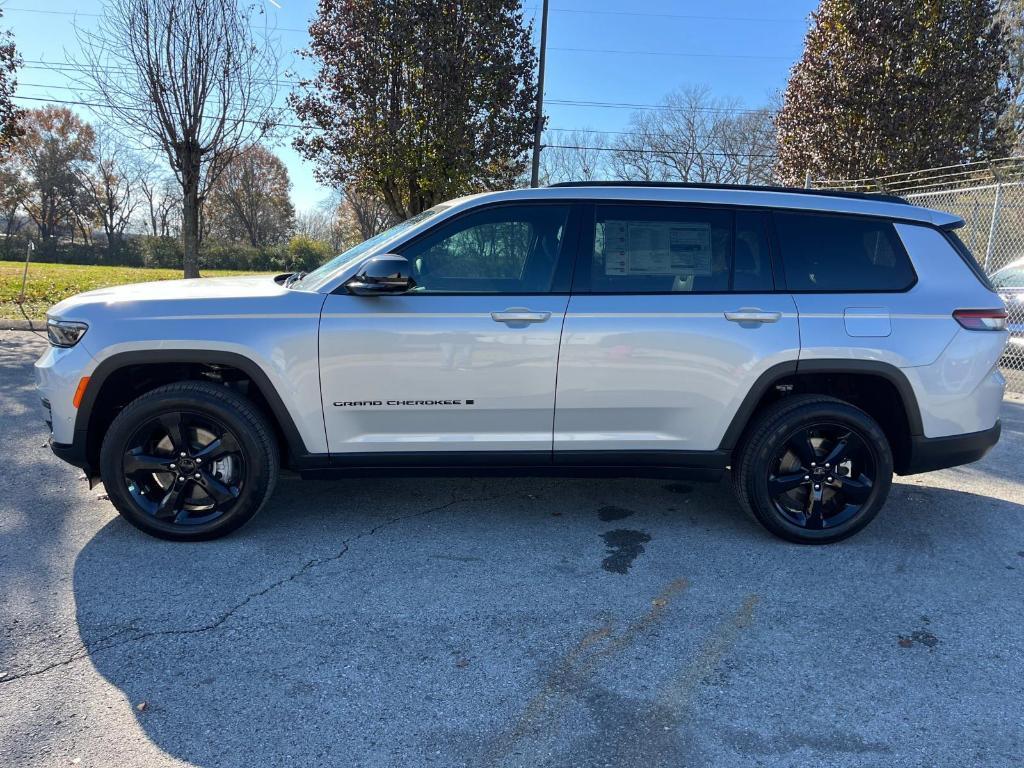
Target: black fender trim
764, 382
781, 371
297, 451
887, 371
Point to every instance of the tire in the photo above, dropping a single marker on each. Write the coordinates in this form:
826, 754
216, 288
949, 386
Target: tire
782, 476
152, 461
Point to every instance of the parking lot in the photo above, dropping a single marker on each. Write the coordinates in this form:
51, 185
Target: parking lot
506, 622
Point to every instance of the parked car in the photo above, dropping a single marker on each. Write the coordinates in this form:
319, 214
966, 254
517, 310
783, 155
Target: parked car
1009, 282
811, 343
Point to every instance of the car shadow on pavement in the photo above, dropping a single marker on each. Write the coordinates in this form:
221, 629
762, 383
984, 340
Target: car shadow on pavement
477, 622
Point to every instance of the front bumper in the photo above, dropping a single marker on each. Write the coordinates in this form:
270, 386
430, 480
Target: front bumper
930, 453
73, 453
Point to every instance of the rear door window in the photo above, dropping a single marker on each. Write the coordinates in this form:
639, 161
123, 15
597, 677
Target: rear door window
837, 254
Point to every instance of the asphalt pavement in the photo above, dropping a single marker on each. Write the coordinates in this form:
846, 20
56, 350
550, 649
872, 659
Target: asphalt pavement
506, 622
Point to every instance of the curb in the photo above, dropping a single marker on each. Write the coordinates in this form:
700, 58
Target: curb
23, 325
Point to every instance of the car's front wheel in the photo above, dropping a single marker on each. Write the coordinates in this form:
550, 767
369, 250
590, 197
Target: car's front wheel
189, 461
813, 469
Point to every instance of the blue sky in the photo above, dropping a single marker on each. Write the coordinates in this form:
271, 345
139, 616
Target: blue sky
741, 49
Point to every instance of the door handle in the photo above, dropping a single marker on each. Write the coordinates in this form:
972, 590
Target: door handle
519, 315
751, 315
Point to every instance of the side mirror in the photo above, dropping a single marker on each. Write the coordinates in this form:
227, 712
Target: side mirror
386, 273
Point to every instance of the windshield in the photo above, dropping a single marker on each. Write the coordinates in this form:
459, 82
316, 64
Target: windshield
1011, 277
322, 274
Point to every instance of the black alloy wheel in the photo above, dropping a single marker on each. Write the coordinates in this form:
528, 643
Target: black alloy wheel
184, 468
189, 461
821, 476
813, 469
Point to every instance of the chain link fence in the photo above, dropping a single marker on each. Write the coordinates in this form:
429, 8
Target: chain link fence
989, 197
994, 231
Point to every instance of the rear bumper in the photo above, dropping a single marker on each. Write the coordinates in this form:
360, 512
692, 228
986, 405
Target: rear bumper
931, 453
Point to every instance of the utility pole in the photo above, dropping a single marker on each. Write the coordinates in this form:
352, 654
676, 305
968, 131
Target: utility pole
539, 117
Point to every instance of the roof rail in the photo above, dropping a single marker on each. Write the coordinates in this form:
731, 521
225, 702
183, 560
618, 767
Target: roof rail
739, 187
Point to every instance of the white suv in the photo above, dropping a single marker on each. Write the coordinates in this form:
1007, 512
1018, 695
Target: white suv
812, 343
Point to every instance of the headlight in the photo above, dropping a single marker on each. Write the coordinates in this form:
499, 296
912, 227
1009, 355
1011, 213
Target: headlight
65, 333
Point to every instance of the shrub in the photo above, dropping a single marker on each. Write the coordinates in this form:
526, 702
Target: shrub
305, 253
163, 252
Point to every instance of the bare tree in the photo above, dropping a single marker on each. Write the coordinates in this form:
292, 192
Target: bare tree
575, 156
113, 184
634, 158
163, 199
371, 213
192, 78
695, 137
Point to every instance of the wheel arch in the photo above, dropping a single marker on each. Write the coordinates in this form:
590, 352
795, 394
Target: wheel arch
901, 420
110, 372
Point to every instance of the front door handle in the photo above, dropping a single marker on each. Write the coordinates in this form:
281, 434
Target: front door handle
519, 315
752, 315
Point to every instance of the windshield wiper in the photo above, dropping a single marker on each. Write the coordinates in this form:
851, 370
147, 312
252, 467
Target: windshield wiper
294, 278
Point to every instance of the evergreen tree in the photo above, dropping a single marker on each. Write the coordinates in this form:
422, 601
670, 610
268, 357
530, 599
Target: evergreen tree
886, 86
417, 101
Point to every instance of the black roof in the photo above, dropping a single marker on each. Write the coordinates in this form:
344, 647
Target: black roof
740, 187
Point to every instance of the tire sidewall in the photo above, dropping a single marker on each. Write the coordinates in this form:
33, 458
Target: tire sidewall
765, 451
259, 471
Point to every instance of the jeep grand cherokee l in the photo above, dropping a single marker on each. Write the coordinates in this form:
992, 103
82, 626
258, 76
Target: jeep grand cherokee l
810, 343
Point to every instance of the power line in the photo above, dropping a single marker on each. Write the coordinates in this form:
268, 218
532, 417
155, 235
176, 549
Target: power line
628, 105
67, 67
576, 11
585, 131
295, 126
605, 51
600, 131
679, 54
94, 105
640, 151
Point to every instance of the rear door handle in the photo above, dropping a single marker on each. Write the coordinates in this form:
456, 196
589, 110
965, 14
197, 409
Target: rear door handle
749, 315
519, 315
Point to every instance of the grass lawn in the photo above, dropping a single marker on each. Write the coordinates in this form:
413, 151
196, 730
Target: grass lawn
49, 283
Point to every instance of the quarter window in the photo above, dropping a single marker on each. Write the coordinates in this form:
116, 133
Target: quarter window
841, 253
503, 249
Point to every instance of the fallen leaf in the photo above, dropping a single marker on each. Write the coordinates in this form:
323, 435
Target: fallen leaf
905, 642
141, 706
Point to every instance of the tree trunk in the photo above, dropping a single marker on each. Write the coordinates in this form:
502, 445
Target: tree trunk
190, 223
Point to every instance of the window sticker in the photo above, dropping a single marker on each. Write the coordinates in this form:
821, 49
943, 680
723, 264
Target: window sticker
675, 248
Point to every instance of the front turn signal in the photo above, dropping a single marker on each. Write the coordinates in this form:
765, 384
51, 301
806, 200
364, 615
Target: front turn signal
80, 391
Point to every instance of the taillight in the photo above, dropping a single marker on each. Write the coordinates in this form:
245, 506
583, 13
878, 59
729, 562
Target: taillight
981, 319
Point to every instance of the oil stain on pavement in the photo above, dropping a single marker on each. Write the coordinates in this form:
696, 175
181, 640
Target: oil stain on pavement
624, 546
606, 514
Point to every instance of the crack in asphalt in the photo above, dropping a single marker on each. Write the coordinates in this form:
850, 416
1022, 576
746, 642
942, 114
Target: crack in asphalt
104, 645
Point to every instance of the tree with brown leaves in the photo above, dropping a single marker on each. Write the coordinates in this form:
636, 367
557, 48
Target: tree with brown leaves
9, 114
250, 200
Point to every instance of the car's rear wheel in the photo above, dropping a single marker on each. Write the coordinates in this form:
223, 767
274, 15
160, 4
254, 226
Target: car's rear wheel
189, 461
813, 469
